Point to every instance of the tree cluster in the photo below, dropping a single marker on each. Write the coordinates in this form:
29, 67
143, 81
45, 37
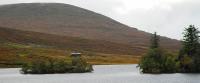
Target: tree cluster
187, 61
47, 65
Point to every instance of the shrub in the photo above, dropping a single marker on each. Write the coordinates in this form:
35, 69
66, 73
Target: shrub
80, 65
170, 64
187, 64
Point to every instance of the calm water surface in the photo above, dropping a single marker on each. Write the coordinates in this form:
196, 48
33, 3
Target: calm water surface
102, 74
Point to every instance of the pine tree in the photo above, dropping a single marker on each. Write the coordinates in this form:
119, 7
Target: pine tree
191, 40
154, 41
152, 61
188, 55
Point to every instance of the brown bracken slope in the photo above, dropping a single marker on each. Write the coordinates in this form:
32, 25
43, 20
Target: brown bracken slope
17, 46
64, 42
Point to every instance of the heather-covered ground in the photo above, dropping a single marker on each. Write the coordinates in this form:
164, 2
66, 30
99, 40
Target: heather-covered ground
14, 54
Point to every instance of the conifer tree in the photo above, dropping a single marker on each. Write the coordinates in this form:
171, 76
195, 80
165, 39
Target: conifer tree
152, 62
189, 54
191, 40
154, 41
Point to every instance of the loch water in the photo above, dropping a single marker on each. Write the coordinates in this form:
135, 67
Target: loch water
101, 74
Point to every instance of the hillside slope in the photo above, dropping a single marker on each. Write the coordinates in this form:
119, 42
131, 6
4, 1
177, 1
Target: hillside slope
17, 46
65, 42
67, 20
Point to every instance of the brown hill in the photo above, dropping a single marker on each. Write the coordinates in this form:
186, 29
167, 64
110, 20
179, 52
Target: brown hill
65, 42
67, 20
17, 46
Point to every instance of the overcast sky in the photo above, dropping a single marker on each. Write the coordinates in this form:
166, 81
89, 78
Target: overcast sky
167, 17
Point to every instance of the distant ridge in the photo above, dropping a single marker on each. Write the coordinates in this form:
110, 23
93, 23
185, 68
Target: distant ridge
71, 21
